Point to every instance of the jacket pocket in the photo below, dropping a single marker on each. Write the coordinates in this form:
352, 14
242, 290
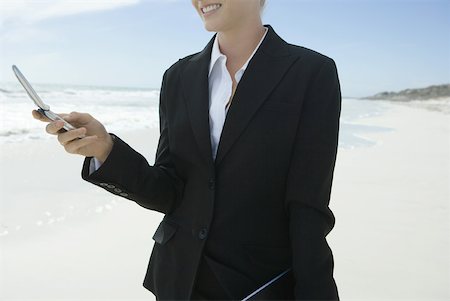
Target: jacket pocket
164, 232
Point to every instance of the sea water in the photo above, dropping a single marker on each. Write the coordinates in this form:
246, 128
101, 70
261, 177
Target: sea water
120, 108
117, 108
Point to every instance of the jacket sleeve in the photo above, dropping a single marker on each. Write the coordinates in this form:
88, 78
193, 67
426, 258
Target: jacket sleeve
127, 173
309, 185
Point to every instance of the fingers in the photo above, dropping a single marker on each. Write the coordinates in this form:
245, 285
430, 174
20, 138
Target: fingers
65, 137
54, 126
76, 146
39, 116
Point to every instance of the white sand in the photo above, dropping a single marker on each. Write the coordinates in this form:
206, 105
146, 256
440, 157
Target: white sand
94, 252
391, 202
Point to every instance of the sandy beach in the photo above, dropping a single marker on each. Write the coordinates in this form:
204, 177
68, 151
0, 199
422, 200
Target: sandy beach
391, 240
64, 238
78, 242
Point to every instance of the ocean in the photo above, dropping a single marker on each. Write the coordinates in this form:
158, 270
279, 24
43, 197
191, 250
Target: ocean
117, 108
121, 108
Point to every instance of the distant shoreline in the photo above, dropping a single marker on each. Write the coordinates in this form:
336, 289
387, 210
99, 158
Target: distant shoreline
433, 98
434, 92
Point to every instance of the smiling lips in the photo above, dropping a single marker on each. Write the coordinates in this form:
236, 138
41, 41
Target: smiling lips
210, 8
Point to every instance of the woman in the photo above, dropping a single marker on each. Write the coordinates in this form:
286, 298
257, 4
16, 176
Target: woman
244, 165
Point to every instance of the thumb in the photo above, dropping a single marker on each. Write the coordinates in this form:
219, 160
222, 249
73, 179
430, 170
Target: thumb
62, 115
78, 118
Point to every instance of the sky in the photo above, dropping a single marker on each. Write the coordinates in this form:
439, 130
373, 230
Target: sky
377, 45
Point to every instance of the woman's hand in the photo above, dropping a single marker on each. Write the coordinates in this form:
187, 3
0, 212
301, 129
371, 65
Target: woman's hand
97, 143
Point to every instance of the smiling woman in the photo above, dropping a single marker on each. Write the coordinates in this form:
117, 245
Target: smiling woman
244, 165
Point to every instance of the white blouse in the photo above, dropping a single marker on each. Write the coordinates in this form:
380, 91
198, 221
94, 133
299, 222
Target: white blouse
220, 90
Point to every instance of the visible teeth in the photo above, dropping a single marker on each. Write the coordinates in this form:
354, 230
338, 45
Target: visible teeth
211, 7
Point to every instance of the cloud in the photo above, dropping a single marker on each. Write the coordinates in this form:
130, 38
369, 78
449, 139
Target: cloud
25, 12
25, 33
19, 18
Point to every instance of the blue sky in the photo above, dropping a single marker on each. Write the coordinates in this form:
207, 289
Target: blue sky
377, 45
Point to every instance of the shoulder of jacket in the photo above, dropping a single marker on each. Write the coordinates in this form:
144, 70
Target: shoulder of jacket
177, 66
314, 57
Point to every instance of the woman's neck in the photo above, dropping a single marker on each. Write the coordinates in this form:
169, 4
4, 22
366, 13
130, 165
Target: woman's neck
238, 43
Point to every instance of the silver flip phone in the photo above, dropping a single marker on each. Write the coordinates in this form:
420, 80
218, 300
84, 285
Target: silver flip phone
44, 109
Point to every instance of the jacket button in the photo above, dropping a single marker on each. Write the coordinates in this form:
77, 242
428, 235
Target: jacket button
117, 190
211, 184
124, 194
110, 186
103, 184
202, 233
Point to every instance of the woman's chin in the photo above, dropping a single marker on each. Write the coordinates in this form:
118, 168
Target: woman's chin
212, 25
211, 28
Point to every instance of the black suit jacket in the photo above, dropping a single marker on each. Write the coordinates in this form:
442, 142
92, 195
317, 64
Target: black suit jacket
262, 205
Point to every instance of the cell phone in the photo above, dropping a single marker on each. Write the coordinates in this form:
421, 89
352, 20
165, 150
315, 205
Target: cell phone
43, 108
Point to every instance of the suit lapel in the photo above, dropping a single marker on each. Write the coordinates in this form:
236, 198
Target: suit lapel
195, 88
264, 71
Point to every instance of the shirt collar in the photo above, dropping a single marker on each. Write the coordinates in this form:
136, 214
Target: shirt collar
216, 53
